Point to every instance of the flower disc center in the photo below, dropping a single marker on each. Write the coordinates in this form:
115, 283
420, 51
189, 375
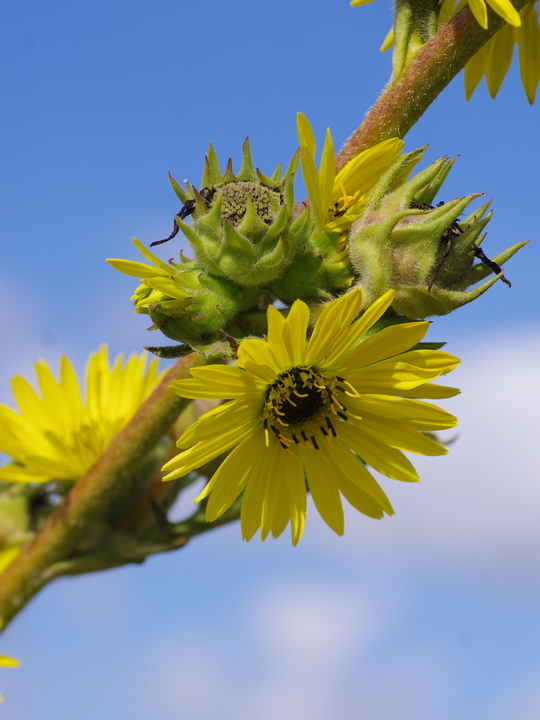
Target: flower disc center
303, 401
235, 196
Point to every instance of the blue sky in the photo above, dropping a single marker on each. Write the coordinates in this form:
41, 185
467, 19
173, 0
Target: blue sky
432, 613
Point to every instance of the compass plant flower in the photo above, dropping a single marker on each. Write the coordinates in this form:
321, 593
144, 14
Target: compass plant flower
493, 60
6, 661
503, 8
479, 8
57, 434
311, 413
337, 199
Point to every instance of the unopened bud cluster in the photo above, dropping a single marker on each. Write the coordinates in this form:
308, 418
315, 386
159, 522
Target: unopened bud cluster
401, 242
253, 244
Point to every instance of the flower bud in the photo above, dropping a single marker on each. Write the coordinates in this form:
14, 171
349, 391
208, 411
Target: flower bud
243, 226
183, 301
401, 242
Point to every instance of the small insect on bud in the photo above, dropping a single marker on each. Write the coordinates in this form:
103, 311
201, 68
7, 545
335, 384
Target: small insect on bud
423, 252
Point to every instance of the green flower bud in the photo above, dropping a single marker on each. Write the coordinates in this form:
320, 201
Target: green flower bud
319, 272
183, 301
401, 242
243, 226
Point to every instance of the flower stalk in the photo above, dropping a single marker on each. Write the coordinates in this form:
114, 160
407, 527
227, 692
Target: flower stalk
405, 100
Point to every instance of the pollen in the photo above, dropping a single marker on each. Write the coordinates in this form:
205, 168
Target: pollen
300, 405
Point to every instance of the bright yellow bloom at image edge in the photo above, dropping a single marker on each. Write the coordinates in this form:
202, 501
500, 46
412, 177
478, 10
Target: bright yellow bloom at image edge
58, 434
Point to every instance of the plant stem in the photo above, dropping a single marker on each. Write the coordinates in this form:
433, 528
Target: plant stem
405, 100
92, 494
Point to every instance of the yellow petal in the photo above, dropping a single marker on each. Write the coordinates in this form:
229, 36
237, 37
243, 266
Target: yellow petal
421, 415
348, 338
218, 381
475, 70
388, 41
400, 436
8, 661
357, 474
203, 452
386, 343
230, 478
327, 173
501, 49
479, 10
324, 489
506, 10
528, 37
134, 268
334, 319
294, 332
382, 458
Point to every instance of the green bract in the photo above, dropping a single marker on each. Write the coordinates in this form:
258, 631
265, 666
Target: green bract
401, 242
243, 226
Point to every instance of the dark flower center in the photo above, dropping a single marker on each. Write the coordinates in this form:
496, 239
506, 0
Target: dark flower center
303, 401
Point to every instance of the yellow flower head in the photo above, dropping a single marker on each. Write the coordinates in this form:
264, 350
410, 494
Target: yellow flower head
6, 661
58, 435
336, 200
493, 60
315, 411
503, 8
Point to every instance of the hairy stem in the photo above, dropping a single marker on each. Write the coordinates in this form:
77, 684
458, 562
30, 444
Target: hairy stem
405, 100
92, 494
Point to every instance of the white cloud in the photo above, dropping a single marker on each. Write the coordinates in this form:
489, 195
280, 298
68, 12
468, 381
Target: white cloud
476, 508
189, 679
522, 703
299, 651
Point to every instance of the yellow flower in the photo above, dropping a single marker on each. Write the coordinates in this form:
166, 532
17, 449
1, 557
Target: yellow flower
315, 411
336, 200
6, 661
58, 435
493, 60
503, 8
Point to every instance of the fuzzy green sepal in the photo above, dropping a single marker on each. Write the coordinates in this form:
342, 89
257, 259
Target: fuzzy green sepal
401, 242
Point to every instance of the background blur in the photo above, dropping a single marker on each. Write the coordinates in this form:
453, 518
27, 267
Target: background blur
430, 614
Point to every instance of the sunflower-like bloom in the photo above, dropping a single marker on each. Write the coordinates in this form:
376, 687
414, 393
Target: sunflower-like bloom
6, 661
336, 200
494, 59
58, 435
315, 411
503, 8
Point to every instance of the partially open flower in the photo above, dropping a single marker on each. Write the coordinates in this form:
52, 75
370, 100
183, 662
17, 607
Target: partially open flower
186, 303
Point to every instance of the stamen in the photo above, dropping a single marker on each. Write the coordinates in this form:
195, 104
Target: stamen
304, 436
342, 416
331, 427
296, 440
314, 443
324, 431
